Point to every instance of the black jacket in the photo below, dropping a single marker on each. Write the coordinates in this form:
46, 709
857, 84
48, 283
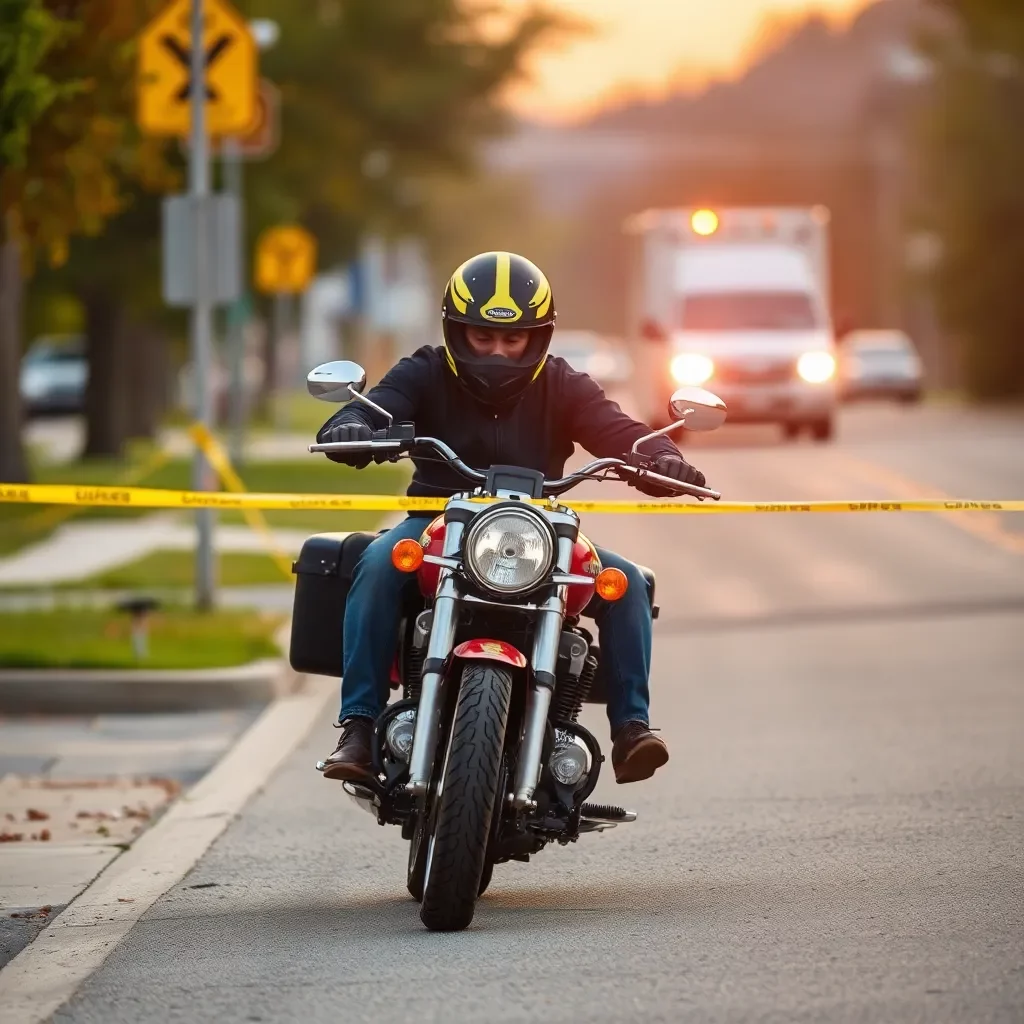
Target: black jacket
560, 409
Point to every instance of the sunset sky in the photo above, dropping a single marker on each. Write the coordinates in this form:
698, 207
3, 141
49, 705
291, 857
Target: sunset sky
643, 47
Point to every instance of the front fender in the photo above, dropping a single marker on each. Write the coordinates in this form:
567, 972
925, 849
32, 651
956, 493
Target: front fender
491, 650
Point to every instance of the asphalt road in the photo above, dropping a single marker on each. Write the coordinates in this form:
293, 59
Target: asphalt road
838, 836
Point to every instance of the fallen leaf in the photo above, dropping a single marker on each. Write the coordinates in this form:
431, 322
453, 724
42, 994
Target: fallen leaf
11, 837
102, 830
45, 835
34, 815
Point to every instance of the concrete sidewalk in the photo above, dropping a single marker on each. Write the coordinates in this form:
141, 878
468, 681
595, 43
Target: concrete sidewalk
75, 791
81, 549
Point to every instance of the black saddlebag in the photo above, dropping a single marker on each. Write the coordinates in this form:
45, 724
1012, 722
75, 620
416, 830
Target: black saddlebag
323, 573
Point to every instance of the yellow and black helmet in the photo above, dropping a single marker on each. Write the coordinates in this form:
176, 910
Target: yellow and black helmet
504, 291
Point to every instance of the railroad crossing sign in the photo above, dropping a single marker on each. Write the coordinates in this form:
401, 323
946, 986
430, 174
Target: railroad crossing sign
285, 259
164, 81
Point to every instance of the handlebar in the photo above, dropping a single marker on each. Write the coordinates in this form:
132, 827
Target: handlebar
551, 487
400, 448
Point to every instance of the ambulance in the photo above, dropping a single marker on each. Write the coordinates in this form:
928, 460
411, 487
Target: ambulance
735, 299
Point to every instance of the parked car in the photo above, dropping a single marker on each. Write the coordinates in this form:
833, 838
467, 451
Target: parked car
879, 364
54, 373
592, 353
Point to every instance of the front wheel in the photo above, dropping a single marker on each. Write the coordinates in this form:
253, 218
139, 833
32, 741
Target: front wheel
457, 850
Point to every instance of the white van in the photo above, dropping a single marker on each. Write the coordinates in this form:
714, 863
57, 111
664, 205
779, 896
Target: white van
736, 299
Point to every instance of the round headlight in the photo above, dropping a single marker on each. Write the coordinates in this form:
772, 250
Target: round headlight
509, 550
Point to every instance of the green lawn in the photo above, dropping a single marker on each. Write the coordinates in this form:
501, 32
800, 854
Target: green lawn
298, 412
178, 638
24, 524
164, 570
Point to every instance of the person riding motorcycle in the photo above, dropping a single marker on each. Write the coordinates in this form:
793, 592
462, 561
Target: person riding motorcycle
492, 393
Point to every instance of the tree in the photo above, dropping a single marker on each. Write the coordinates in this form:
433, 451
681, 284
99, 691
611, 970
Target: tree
81, 159
976, 149
27, 33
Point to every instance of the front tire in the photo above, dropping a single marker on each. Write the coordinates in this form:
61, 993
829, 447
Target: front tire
457, 852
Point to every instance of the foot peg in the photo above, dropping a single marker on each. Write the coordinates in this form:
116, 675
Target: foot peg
606, 814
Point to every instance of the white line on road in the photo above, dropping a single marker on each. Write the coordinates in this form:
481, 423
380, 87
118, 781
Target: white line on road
48, 971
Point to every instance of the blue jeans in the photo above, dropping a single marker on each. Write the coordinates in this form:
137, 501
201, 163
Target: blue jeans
373, 612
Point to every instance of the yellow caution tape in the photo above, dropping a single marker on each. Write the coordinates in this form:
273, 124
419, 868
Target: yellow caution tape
218, 458
50, 517
143, 497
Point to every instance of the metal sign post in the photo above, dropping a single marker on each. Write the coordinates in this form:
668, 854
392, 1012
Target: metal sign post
285, 266
235, 333
202, 311
198, 73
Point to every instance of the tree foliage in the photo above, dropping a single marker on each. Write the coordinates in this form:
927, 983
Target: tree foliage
82, 156
375, 97
976, 152
27, 33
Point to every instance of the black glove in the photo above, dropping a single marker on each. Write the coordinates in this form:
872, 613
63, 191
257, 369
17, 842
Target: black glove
676, 467
350, 431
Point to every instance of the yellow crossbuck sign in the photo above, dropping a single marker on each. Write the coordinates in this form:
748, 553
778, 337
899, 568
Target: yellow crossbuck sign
164, 78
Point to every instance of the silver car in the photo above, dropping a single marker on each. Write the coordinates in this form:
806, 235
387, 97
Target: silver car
54, 373
879, 364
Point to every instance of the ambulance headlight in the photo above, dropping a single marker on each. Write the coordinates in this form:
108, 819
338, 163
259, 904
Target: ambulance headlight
816, 367
692, 368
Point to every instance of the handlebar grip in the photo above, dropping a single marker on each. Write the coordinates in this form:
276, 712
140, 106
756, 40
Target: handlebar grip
677, 485
355, 446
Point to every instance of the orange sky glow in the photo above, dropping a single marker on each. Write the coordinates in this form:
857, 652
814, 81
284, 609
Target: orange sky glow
651, 47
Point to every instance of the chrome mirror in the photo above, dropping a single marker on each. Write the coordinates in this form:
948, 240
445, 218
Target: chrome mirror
338, 381
697, 408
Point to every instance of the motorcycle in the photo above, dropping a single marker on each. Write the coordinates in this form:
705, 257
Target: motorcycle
483, 759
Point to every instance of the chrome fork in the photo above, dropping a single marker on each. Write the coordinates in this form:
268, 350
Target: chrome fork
442, 636
546, 638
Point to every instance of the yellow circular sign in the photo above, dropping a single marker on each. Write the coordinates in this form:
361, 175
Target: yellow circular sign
285, 259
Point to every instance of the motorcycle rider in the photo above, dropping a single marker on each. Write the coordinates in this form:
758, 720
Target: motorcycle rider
494, 396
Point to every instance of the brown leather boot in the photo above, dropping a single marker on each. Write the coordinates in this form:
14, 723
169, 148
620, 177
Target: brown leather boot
636, 752
352, 759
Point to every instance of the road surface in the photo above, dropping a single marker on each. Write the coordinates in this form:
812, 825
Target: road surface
839, 835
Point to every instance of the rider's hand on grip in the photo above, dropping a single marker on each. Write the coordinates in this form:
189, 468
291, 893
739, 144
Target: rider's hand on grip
676, 467
349, 432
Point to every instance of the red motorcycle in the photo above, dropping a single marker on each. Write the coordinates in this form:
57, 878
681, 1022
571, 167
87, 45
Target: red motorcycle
483, 759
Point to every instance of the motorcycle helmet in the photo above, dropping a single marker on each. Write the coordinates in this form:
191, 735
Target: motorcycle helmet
504, 291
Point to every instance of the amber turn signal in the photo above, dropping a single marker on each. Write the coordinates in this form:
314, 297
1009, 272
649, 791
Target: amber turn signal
611, 584
407, 555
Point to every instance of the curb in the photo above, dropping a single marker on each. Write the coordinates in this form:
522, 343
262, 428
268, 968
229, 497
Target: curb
91, 691
46, 973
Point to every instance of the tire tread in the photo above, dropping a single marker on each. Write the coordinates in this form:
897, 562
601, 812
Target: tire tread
467, 799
